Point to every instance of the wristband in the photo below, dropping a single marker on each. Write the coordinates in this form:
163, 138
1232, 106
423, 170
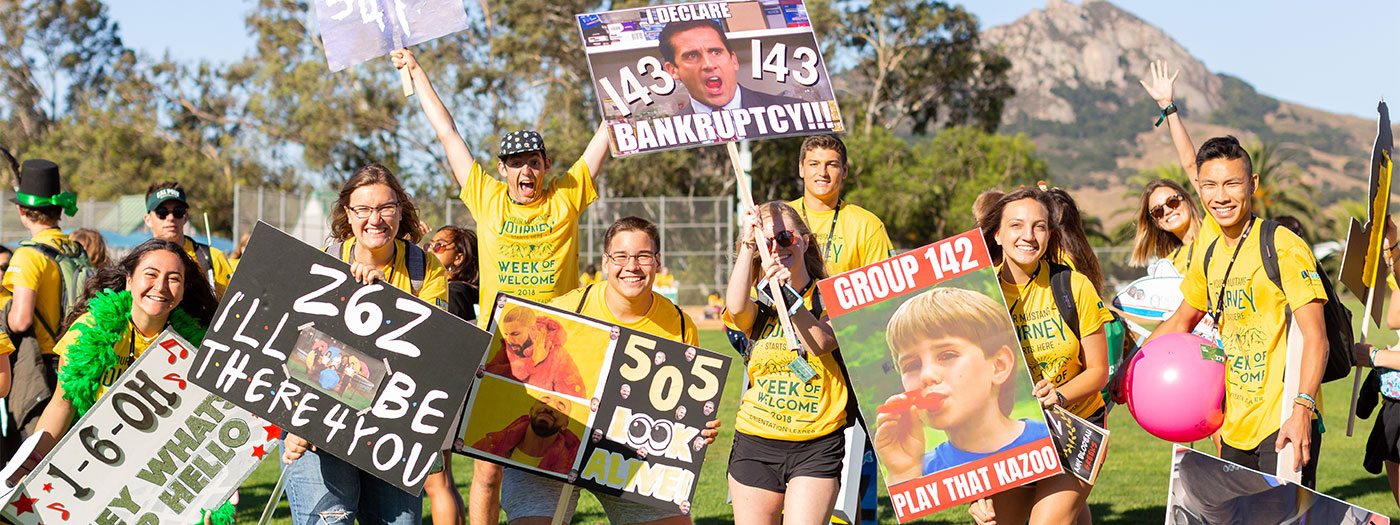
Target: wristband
1374, 350
1308, 398
793, 299
1062, 398
1171, 108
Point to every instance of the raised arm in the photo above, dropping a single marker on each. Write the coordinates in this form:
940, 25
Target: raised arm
458, 155
598, 150
1160, 87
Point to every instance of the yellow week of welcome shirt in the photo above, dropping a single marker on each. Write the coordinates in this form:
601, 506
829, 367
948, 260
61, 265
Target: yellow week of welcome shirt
30, 268
127, 349
1045, 340
527, 250
434, 288
857, 237
223, 271
778, 405
1252, 325
662, 320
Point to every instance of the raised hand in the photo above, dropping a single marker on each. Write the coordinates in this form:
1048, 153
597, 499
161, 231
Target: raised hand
1158, 84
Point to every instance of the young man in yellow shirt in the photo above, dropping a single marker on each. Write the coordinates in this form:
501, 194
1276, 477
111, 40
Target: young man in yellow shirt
167, 212
527, 226
850, 237
1252, 315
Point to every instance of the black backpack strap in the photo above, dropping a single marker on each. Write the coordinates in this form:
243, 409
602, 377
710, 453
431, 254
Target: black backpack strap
53, 254
416, 260
583, 299
1268, 251
1063, 292
201, 256
680, 313
336, 249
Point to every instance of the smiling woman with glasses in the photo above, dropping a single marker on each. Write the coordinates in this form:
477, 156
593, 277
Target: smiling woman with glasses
1167, 223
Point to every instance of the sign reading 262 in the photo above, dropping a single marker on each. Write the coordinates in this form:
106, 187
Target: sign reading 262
669, 384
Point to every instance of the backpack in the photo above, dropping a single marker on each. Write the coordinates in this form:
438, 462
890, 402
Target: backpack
1339, 337
415, 259
1063, 293
74, 268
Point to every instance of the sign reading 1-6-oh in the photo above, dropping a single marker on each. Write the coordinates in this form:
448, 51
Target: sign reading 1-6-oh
684, 75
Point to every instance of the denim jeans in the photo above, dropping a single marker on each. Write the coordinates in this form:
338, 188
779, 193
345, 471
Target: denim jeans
324, 490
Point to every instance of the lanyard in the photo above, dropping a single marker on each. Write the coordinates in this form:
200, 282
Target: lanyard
830, 232
1021, 290
1220, 298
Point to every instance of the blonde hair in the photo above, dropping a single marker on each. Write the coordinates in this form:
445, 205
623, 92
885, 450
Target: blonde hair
1151, 240
812, 258
955, 312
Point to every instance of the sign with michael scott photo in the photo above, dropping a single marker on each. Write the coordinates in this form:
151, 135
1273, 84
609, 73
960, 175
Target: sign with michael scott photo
589, 403
683, 75
367, 373
939, 375
154, 448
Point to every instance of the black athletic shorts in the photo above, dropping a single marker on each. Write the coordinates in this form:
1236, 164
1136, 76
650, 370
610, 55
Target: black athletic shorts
769, 464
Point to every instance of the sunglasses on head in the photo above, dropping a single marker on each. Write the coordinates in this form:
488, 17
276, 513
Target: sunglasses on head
783, 238
162, 213
1161, 209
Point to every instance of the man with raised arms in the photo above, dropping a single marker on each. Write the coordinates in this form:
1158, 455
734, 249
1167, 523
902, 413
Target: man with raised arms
527, 226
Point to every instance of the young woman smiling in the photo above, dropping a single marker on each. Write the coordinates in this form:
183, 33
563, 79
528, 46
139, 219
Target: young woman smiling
1068, 370
1167, 223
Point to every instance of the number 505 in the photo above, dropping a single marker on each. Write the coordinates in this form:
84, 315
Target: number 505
668, 383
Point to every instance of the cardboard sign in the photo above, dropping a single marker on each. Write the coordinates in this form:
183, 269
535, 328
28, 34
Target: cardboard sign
1082, 445
1363, 265
354, 31
1207, 489
367, 373
155, 448
725, 71
904, 323
602, 407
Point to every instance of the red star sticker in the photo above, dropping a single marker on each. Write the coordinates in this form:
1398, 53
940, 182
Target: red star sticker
48, 487
259, 452
273, 432
24, 504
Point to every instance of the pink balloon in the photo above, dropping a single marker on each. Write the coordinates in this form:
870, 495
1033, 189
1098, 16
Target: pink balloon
1175, 388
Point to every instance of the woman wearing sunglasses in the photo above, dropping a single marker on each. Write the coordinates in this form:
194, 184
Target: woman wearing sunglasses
1167, 223
455, 247
1069, 366
788, 443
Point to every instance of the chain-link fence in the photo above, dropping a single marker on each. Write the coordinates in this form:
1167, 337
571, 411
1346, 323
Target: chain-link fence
114, 218
697, 233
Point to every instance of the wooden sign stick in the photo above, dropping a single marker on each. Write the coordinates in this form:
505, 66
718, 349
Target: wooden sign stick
746, 200
405, 78
1291, 378
1356, 373
563, 505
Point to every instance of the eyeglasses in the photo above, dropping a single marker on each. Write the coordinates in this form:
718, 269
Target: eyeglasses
162, 213
437, 246
363, 212
1161, 209
783, 238
643, 259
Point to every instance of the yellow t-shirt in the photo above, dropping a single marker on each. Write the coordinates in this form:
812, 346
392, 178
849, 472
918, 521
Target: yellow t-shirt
778, 405
1045, 340
1181, 256
1252, 325
662, 320
525, 459
527, 250
131, 345
434, 288
857, 237
30, 268
223, 271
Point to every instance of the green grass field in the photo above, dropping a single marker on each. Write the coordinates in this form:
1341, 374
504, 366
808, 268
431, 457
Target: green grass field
1132, 487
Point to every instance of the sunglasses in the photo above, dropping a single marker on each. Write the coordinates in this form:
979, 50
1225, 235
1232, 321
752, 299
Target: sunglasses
162, 213
783, 238
437, 246
1161, 209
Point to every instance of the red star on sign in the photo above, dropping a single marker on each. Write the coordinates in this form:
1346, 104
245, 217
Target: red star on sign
259, 452
48, 487
273, 432
24, 504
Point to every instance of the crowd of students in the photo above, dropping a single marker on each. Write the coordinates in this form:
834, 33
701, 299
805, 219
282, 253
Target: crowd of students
69, 343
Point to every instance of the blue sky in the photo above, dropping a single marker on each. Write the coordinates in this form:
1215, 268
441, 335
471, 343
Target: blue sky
1340, 56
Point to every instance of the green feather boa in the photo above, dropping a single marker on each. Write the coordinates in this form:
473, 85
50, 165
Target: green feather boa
94, 353
220, 516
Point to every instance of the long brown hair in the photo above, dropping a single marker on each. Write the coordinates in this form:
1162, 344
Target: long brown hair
94, 245
464, 241
198, 302
1151, 240
991, 221
409, 228
811, 259
1074, 242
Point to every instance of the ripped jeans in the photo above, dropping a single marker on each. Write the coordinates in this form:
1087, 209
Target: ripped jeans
324, 490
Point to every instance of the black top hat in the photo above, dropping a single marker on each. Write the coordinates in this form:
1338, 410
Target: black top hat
39, 186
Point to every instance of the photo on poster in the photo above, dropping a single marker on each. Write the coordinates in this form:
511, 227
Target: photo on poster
539, 347
335, 369
1207, 490
684, 75
939, 376
526, 427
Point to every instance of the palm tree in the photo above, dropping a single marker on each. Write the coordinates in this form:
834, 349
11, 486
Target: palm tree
1281, 189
